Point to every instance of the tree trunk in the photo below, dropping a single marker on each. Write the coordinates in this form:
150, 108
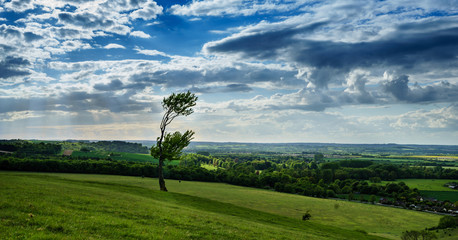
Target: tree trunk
161, 175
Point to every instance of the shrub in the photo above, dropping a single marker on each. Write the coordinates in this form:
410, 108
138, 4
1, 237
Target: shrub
447, 222
306, 216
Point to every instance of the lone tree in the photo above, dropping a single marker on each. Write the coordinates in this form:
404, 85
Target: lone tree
169, 145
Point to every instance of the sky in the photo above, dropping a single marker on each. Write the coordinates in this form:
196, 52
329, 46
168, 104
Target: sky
264, 71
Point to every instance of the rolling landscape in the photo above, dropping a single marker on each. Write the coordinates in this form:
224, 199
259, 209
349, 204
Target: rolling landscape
229, 119
109, 190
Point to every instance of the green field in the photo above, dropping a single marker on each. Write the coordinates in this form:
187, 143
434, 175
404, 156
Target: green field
427, 184
122, 156
271, 214
71, 206
431, 188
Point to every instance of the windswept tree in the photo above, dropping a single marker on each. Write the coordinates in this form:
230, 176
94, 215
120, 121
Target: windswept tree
170, 145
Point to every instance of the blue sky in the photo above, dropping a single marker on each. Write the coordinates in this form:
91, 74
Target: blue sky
265, 71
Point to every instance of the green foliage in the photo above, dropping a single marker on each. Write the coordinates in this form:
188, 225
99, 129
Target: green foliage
180, 103
79, 166
372, 199
172, 145
355, 163
27, 148
447, 222
318, 157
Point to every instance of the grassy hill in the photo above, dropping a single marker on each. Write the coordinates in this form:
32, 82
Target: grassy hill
78, 206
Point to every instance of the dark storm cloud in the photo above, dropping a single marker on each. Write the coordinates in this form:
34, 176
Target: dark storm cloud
400, 90
13, 67
262, 45
398, 87
405, 48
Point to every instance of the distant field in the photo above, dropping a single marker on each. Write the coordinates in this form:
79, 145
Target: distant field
436, 157
432, 188
450, 161
441, 195
378, 220
135, 157
427, 184
72, 206
209, 166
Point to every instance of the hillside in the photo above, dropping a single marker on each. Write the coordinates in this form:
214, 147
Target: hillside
376, 220
81, 206
57, 206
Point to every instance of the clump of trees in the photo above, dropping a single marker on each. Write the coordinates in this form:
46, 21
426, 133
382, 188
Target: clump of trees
24, 148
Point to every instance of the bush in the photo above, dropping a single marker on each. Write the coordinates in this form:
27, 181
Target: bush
447, 222
306, 216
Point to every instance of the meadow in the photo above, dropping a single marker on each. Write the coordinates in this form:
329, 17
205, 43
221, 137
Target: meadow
135, 200
78, 206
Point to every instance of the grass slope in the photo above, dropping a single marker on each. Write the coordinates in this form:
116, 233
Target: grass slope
376, 220
71, 206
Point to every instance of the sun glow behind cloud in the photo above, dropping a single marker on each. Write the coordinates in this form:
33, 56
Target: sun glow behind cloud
265, 71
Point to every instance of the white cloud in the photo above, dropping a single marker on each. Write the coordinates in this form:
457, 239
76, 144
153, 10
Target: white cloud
443, 118
139, 34
113, 45
150, 52
148, 10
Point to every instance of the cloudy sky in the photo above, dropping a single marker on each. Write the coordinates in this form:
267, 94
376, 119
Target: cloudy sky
265, 71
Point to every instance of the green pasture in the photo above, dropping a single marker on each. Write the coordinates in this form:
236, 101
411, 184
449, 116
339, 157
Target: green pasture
382, 221
431, 188
71, 206
426, 184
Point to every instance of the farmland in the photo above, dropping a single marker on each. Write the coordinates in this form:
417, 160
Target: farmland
432, 188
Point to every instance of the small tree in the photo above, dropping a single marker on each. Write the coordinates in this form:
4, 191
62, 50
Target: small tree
170, 145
